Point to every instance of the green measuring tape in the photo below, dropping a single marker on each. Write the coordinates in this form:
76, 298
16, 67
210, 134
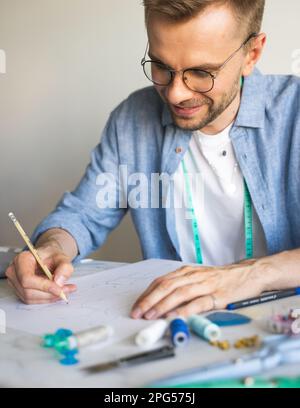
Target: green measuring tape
193, 216
195, 226
248, 223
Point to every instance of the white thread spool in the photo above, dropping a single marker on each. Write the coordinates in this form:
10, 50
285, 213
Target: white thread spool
89, 337
151, 334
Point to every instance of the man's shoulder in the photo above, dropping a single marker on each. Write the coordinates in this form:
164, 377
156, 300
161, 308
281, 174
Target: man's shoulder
281, 89
143, 103
144, 94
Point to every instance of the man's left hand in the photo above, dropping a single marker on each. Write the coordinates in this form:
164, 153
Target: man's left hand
193, 289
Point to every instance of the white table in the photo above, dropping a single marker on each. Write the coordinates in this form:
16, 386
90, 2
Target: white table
23, 363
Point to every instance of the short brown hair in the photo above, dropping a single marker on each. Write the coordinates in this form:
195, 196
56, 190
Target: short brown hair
248, 12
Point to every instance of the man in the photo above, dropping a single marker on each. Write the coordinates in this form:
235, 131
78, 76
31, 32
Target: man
210, 113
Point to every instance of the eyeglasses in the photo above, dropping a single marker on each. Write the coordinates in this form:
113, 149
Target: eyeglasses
197, 80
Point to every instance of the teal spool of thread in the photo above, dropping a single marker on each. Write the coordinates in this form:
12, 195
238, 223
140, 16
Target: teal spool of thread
204, 328
180, 333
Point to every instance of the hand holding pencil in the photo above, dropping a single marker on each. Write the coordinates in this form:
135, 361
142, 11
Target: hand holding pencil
24, 274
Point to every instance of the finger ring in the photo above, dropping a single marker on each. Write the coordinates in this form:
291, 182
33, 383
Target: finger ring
214, 301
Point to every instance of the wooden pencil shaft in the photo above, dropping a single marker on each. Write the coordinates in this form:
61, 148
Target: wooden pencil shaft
30, 246
34, 251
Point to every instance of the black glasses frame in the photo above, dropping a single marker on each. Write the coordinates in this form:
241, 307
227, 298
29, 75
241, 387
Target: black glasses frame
183, 71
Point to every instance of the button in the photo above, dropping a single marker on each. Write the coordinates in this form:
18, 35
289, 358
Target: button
178, 150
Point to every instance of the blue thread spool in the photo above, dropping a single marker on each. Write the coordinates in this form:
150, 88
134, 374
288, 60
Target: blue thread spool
180, 333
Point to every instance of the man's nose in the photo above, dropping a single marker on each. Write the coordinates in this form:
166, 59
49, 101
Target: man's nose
177, 91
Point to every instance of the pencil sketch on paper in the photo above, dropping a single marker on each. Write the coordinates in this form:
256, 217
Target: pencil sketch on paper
104, 298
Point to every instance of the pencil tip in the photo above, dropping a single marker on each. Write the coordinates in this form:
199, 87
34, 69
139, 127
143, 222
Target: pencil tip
64, 297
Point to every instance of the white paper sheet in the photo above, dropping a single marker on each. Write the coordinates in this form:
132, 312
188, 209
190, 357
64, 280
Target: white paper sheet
102, 298
90, 266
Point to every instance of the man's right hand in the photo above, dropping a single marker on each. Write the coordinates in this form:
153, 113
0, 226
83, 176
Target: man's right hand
31, 284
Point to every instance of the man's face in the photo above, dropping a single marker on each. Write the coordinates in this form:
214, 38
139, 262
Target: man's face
205, 41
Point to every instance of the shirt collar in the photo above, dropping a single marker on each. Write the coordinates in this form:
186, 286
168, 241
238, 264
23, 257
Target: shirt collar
252, 108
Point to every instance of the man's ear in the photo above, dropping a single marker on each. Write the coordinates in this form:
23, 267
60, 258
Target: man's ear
254, 53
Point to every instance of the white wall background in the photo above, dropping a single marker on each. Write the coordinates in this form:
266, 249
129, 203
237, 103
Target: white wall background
69, 63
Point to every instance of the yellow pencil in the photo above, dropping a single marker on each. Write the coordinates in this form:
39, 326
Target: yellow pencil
34, 251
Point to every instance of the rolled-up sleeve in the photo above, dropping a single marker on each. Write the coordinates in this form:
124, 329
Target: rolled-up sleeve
79, 212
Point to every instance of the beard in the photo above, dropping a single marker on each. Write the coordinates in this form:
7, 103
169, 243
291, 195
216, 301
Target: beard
212, 113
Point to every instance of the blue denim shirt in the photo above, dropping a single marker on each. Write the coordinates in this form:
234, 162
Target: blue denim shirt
140, 134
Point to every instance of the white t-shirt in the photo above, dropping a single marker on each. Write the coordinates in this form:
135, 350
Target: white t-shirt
217, 187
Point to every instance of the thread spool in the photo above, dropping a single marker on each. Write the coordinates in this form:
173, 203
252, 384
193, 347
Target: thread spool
204, 328
64, 340
89, 337
179, 332
151, 334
